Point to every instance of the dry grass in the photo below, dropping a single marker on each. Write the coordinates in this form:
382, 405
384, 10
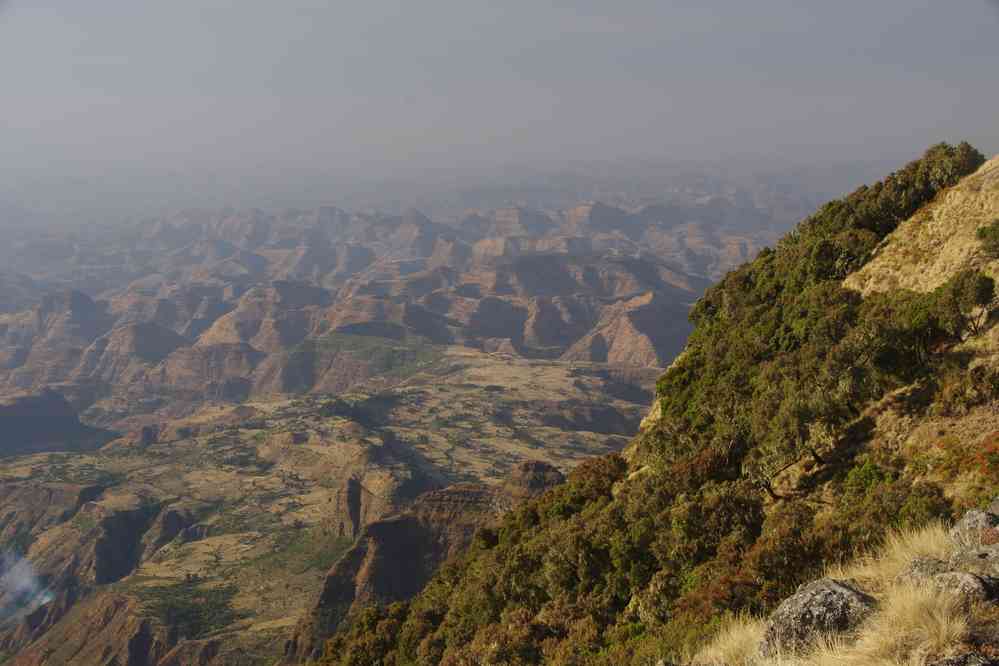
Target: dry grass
737, 644
877, 571
911, 625
912, 622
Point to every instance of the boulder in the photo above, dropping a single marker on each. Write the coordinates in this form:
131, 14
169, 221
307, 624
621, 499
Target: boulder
968, 659
966, 585
976, 528
920, 570
983, 560
821, 607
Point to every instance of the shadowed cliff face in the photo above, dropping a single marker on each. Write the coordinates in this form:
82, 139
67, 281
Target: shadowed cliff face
44, 422
394, 557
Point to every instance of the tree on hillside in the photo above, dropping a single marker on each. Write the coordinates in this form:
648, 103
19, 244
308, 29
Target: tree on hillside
964, 302
989, 235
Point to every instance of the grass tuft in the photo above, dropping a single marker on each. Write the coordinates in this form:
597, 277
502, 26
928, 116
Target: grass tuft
738, 643
877, 571
912, 623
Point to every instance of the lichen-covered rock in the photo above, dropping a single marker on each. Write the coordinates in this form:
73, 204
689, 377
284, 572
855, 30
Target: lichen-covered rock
968, 659
983, 561
921, 569
966, 585
821, 607
976, 528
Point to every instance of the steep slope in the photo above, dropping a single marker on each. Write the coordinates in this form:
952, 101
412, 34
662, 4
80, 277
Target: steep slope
934, 245
44, 422
126, 353
643, 331
45, 344
800, 423
395, 556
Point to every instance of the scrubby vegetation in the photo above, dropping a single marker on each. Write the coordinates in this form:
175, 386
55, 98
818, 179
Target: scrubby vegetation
394, 358
191, 609
303, 550
753, 479
989, 236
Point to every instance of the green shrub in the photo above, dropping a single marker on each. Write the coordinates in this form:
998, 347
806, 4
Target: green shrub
989, 236
194, 610
961, 305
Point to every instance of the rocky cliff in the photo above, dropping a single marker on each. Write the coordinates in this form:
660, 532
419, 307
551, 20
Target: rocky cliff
394, 557
44, 422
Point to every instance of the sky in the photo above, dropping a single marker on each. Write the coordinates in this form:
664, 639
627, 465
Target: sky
385, 86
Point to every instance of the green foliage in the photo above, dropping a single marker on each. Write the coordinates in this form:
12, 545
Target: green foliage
863, 478
780, 365
193, 610
393, 358
370, 637
959, 303
989, 236
958, 389
301, 550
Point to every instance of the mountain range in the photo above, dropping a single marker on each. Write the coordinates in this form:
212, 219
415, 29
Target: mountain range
211, 408
604, 434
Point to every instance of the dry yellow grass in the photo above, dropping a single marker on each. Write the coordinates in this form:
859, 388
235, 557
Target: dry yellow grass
938, 241
877, 571
911, 624
736, 644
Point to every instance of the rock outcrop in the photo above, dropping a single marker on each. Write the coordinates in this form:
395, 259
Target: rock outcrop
44, 422
836, 610
394, 557
817, 609
105, 629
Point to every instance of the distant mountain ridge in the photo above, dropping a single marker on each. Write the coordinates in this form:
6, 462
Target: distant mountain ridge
217, 305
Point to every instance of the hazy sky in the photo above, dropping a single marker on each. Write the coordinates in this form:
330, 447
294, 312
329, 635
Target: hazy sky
375, 84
